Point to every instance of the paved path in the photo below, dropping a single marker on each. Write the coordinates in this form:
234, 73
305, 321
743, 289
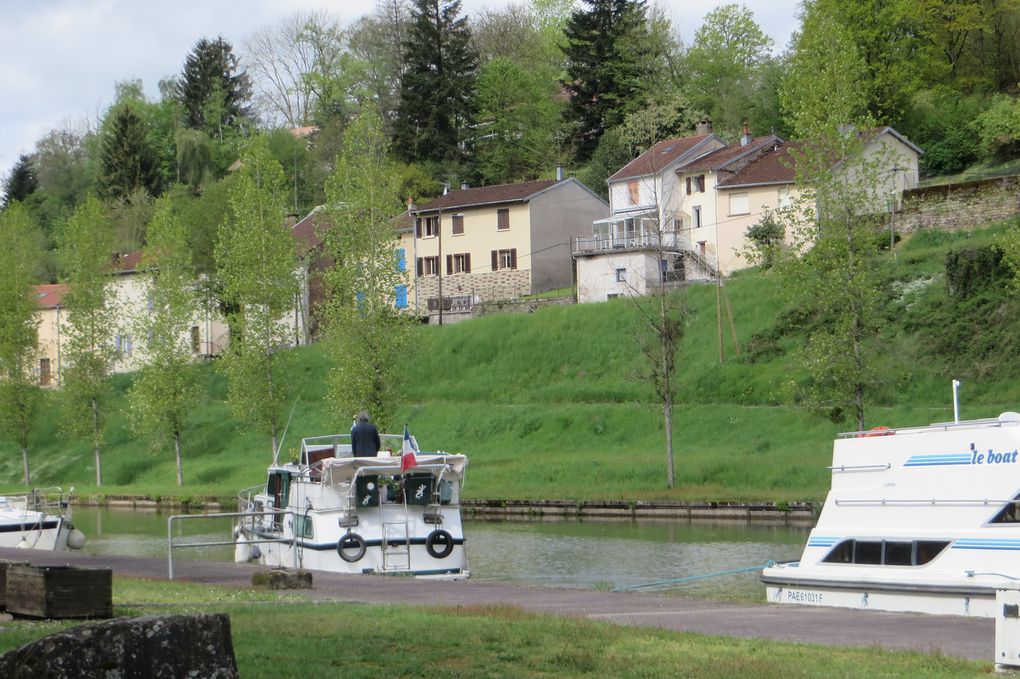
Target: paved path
953, 636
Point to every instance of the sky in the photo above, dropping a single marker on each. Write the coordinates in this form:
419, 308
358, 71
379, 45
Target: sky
62, 57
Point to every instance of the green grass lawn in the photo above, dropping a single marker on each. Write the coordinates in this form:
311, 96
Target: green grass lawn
556, 404
279, 636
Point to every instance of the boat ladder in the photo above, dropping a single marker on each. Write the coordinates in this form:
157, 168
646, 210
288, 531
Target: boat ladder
396, 546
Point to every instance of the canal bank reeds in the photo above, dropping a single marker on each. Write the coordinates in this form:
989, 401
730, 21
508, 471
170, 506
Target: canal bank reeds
280, 636
554, 404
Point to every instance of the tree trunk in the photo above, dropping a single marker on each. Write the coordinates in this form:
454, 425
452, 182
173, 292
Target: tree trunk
177, 451
24, 462
667, 420
95, 442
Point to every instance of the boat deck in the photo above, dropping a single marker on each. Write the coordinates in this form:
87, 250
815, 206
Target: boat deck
972, 638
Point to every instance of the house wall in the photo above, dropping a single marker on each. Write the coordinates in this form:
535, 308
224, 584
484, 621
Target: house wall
732, 228
558, 216
479, 239
597, 279
51, 332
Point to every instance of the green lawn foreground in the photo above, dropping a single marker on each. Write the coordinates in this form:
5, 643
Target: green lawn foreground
281, 635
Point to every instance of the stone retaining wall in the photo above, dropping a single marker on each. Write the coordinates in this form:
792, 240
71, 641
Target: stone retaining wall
486, 286
765, 512
964, 205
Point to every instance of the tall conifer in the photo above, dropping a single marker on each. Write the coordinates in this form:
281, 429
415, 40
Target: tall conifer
438, 83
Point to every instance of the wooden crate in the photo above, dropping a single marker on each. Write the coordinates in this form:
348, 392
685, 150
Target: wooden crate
4, 565
59, 592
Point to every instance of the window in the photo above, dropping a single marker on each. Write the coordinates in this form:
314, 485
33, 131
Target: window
303, 526
400, 293
1008, 514
784, 196
427, 266
886, 552
196, 343
460, 263
122, 344
739, 204
401, 260
503, 219
426, 227
696, 216
700, 179
44, 372
688, 186
621, 275
458, 225
634, 192
504, 259
612, 295
701, 247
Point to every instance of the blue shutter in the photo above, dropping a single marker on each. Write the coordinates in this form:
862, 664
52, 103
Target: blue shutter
401, 294
401, 260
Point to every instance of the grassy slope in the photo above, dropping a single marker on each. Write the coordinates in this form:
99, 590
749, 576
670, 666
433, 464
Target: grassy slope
554, 404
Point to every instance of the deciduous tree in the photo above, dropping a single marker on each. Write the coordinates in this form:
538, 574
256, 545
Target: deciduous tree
257, 264
19, 261
365, 332
166, 387
86, 249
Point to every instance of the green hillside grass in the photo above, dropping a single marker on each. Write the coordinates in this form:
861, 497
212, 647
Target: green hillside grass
554, 404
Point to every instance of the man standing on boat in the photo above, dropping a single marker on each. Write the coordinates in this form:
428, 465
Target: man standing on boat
365, 437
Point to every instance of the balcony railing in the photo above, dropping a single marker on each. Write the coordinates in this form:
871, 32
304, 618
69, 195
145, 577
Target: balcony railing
671, 240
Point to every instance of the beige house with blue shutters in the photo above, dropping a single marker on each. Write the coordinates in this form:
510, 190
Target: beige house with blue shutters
496, 243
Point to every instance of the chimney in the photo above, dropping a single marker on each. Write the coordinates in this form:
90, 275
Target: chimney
464, 186
559, 173
446, 188
410, 204
745, 136
703, 126
290, 220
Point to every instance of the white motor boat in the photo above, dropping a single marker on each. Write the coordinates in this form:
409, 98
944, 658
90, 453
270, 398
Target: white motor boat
923, 519
331, 511
40, 519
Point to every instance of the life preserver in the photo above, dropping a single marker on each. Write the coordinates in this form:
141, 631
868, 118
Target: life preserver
443, 539
876, 431
351, 541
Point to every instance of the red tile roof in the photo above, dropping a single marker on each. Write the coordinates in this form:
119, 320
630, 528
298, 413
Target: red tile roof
775, 166
489, 195
659, 156
720, 158
305, 232
127, 262
50, 296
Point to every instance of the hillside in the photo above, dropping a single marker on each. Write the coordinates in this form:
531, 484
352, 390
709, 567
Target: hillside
553, 404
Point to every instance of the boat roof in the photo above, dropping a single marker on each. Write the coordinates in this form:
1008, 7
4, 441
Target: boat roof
341, 469
1004, 420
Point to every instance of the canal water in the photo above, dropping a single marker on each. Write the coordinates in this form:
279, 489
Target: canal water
583, 554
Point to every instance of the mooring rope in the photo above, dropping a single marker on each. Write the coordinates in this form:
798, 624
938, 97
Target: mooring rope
693, 578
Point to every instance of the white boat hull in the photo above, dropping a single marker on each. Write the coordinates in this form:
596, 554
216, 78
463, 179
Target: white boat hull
917, 520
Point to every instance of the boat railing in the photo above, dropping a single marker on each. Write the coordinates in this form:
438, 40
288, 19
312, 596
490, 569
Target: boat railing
919, 502
51, 500
241, 516
1004, 420
341, 444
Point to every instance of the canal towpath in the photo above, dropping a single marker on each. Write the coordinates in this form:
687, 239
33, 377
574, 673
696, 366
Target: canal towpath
972, 638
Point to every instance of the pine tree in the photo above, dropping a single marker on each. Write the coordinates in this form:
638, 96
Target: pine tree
607, 62
21, 182
129, 162
437, 85
214, 92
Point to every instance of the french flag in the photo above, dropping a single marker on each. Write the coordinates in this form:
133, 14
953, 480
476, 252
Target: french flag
407, 458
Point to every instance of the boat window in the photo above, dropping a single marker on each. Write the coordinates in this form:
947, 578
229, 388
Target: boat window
929, 549
303, 527
868, 553
1008, 514
886, 552
899, 554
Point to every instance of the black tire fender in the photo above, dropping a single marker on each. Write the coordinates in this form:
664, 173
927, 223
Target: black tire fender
351, 541
443, 539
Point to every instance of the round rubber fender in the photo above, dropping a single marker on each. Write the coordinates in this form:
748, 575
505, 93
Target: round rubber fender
441, 538
351, 541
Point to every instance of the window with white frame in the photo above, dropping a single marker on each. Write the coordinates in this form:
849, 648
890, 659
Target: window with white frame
427, 266
739, 204
696, 216
621, 275
504, 259
784, 197
427, 227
